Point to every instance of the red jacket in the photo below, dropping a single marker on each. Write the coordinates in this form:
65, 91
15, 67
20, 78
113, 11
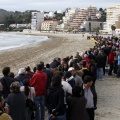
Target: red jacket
39, 82
111, 58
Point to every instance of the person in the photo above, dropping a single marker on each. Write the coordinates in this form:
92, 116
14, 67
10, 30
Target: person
48, 73
3, 110
85, 69
21, 76
111, 61
100, 65
78, 80
29, 93
70, 79
1, 87
91, 96
29, 73
17, 103
39, 82
93, 71
6, 81
76, 103
54, 100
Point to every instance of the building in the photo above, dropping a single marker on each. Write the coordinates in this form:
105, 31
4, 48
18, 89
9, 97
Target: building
49, 25
89, 26
113, 18
36, 20
75, 18
84, 14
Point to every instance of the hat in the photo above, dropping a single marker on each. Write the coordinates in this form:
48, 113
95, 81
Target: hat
71, 68
21, 71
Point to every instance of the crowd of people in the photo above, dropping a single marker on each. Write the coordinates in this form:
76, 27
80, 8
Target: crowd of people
65, 87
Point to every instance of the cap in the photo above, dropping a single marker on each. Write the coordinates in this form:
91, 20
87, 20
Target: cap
21, 71
71, 68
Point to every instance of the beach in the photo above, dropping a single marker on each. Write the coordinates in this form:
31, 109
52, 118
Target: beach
62, 45
58, 45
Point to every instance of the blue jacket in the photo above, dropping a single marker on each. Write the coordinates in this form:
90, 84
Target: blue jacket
119, 59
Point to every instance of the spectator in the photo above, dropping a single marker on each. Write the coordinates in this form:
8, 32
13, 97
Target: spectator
3, 110
6, 81
17, 103
77, 103
39, 82
54, 100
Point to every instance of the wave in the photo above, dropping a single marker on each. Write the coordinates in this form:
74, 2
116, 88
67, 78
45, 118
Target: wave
8, 41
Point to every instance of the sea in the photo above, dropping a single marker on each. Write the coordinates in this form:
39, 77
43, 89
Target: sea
8, 41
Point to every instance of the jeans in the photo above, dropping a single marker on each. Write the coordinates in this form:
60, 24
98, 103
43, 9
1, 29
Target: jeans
40, 112
62, 117
99, 73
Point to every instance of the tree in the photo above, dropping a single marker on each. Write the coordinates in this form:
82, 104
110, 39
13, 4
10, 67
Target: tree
96, 30
101, 9
113, 28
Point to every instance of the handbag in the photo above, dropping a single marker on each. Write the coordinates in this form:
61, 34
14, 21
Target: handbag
30, 104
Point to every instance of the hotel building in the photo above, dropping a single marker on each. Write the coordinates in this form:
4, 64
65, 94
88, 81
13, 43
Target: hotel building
36, 20
113, 18
49, 25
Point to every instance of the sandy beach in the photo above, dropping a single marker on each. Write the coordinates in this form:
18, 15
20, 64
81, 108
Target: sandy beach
58, 45
62, 45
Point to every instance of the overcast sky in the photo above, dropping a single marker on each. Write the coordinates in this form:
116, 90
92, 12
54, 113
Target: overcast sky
52, 5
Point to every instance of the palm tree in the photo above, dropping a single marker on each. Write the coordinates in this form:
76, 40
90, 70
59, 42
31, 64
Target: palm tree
113, 28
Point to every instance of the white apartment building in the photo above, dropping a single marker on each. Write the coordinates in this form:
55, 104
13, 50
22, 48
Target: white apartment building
84, 14
36, 20
49, 25
69, 15
91, 25
113, 18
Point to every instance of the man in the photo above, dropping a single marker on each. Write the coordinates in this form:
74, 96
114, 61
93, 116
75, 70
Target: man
78, 80
90, 95
39, 82
6, 82
111, 61
3, 111
100, 65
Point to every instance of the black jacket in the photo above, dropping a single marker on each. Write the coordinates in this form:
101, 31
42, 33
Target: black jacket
100, 61
6, 82
54, 101
92, 88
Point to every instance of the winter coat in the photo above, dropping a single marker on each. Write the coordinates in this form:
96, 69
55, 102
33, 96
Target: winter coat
39, 82
6, 82
54, 100
76, 108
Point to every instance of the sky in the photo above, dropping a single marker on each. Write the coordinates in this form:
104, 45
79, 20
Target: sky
53, 5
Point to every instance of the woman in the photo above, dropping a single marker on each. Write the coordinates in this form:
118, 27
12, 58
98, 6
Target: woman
29, 93
54, 100
17, 103
76, 105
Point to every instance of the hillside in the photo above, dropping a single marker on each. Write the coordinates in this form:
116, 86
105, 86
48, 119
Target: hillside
4, 14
